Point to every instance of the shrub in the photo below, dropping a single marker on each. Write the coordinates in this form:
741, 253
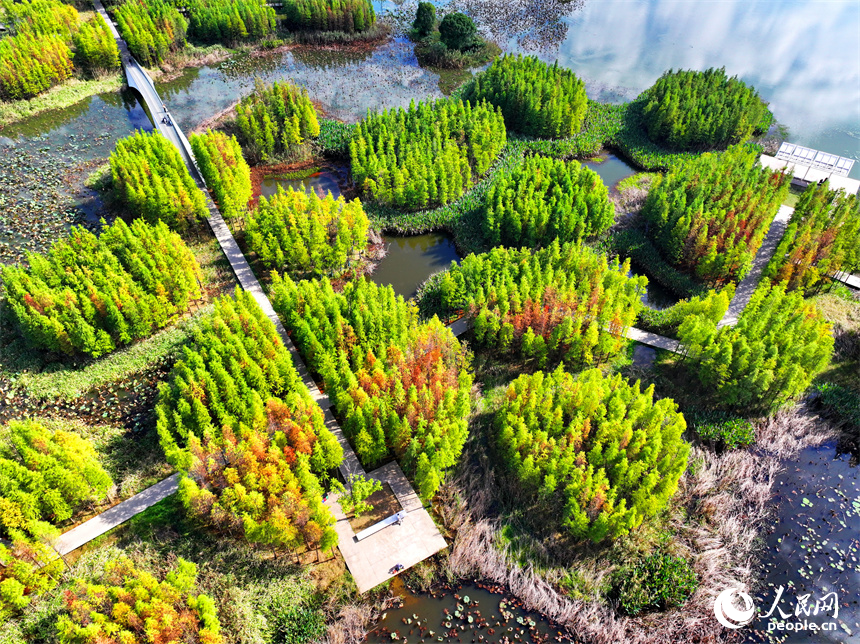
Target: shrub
91, 294
153, 181
96, 50
347, 16
131, 606
721, 429
427, 154
30, 64
690, 110
563, 302
153, 29
398, 386
230, 21
457, 31
224, 169
425, 19
656, 582
275, 119
778, 346
536, 98
595, 451
299, 232
544, 199
712, 213
822, 238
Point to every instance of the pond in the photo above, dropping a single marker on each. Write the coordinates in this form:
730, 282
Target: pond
813, 545
320, 181
466, 614
411, 260
656, 295
611, 169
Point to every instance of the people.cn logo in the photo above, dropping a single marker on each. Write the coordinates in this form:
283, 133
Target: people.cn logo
727, 614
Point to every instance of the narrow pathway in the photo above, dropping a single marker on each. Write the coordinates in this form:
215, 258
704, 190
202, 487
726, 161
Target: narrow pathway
747, 286
118, 514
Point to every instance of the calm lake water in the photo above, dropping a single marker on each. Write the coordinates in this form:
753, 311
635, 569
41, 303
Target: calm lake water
411, 260
611, 169
320, 183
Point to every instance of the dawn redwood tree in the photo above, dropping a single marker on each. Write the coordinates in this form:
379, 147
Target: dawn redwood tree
594, 451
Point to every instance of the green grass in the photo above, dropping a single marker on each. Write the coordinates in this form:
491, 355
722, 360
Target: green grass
69, 93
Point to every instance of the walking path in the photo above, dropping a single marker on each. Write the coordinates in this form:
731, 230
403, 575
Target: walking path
748, 285
421, 540
120, 513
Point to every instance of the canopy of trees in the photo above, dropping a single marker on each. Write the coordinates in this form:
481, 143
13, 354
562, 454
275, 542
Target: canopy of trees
224, 169
544, 199
597, 452
822, 238
40, 17
152, 179
44, 476
426, 155
347, 16
230, 21
536, 98
711, 213
274, 119
30, 64
131, 606
398, 386
690, 110
457, 31
564, 302
91, 294
778, 346
300, 232
96, 50
152, 29
250, 460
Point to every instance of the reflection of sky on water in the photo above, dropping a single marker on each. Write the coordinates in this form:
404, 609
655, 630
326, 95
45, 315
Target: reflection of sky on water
803, 57
346, 84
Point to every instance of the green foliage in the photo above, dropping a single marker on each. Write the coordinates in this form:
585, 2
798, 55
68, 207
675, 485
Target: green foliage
457, 31
31, 64
298, 625
150, 176
91, 294
398, 386
230, 21
348, 16
656, 582
353, 496
300, 232
250, 461
131, 606
224, 169
822, 238
275, 119
96, 51
840, 403
712, 213
44, 476
564, 302
334, 138
427, 154
152, 29
722, 429
536, 99
597, 451
40, 18
712, 305
778, 345
691, 110
425, 19
544, 199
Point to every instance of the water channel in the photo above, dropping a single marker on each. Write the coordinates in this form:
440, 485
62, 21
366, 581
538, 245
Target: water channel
802, 55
